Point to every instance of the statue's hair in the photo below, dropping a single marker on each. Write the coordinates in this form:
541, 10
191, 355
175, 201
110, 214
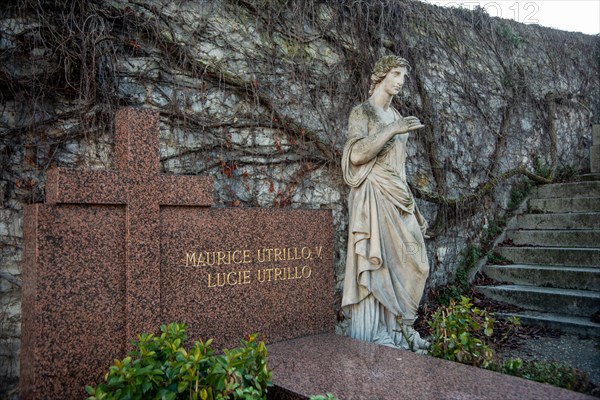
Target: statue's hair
383, 66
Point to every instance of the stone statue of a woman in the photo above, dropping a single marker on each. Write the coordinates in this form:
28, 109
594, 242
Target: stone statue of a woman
386, 265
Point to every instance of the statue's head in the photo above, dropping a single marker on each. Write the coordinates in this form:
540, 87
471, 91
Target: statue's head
383, 66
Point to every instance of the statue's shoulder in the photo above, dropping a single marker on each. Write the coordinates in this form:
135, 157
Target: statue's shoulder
362, 111
362, 107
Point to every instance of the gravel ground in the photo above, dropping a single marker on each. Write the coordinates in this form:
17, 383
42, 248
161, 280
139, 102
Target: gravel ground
583, 354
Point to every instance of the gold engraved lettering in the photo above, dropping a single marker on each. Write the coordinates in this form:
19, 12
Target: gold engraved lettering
201, 260
306, 253
220, 280
260, 255
221, 258
278, 273
233, 257
264, 274
318, 250
247, 257
278, 256
208, 260
231, 281
306, 271
269, 270
246, 277
231, 278
296, 255
294, 274
190, 258
265, 255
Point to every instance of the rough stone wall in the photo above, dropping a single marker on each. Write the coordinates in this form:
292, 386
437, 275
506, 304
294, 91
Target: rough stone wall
256, 93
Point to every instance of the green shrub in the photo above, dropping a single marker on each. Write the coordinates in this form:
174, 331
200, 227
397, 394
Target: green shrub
471, 255
455, 331
566, 173
497, 259
494, 229
554, 373
541, 168
161, 368
328, 396
520, 191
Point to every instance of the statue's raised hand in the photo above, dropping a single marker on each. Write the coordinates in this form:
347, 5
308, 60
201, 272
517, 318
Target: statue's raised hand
406, 124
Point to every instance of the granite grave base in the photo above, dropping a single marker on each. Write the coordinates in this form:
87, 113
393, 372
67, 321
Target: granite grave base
116, 253
357, 370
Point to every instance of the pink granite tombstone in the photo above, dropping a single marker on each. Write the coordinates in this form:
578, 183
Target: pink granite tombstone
115, 253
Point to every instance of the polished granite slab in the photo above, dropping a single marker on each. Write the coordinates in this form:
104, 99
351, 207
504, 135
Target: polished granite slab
352, 369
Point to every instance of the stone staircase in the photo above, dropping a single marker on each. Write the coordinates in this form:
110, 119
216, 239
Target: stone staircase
554, 253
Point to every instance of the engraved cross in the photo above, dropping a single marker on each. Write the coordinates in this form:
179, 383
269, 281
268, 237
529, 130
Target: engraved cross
136, 184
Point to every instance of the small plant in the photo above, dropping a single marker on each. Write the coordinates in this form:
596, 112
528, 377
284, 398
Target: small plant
566, 173
471, 254
446, 294
455, 330
510, 35
541, 168
498, 259
494, 229
520, 191
328, 396
554, 373
161, 368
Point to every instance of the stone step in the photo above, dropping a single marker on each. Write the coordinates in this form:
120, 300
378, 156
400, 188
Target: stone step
574, 189
565, 323
590, 177
556, 221
582, 278
565, 205
554, 238
595, 150
571, 256
581, 303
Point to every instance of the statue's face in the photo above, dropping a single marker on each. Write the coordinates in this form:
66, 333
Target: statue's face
394, 80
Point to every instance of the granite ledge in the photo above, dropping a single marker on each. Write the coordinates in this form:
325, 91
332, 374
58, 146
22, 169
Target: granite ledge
352, 369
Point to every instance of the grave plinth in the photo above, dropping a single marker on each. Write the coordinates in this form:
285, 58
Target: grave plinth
358, 370
115, 253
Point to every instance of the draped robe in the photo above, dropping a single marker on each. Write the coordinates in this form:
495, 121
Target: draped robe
386, 264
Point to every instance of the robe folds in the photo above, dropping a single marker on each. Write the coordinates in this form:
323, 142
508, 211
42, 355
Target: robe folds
386, 264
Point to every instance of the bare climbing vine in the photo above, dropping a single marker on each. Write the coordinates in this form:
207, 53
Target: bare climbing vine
75, 51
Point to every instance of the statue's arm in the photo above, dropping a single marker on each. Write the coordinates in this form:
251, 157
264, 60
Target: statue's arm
369, 146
